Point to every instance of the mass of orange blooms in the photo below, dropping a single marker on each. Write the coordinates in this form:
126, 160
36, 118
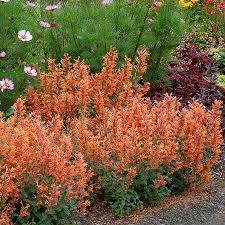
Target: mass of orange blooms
30, 151
70, 87
109, 124
157, 134
125, 124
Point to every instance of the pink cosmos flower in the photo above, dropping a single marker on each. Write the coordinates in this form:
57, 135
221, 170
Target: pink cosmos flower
30, 71
8, 84
53, 7
32, 4
44, 24
2, 85
156, 4
106, 2
2, 54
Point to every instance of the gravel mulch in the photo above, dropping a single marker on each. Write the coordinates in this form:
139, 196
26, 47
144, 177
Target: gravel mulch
204, 207
211, 211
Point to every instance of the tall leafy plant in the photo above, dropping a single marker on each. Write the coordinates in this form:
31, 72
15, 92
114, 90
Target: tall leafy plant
85, 29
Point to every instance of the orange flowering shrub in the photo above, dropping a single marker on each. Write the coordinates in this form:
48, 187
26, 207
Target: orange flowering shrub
138, 150
70, 88
148, 149
37, 165
157, 134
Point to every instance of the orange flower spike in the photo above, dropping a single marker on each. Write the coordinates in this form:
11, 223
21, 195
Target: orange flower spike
141, 61
19, 107
24, 211
66, 63
110, 59
160, 182
51, 65
132, 172
79, 89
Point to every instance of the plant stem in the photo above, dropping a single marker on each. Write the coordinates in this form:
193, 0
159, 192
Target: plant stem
141, 32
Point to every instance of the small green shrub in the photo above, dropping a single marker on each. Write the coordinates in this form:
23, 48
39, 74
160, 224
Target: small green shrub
115, 189
148, 186
218, 54
39, 214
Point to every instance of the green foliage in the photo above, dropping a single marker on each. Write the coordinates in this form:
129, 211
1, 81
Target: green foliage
177, 182
8, 113
85, 29
125, 197
59, 214
92, 28
121, 198
125, 201
204, 28
197, 15
15, 16
144, 186
221, 80
161, 36
218, 54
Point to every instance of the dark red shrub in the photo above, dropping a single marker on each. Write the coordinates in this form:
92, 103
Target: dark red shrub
191, 77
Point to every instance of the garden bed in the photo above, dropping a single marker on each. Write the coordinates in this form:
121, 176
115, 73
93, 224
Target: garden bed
203, 207
112, 112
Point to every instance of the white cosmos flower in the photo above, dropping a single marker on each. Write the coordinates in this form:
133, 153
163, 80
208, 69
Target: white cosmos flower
4, 0
2, 54
45, 24
24, 35
105, 2
30, 71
